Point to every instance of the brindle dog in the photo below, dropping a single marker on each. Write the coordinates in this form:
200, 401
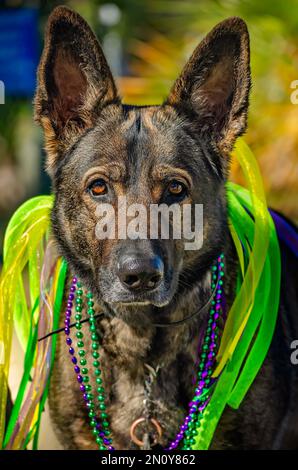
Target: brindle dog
178, 152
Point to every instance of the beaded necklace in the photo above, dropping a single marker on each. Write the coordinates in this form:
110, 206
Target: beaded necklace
98, 418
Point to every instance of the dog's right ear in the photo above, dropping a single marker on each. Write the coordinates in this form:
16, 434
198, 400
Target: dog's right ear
74, 82
215, 83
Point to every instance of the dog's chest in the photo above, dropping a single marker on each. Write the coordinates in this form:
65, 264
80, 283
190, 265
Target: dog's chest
124, 357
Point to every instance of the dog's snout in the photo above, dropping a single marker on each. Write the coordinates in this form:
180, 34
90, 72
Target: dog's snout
140, 273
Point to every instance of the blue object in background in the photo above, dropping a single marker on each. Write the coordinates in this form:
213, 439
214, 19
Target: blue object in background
19, 51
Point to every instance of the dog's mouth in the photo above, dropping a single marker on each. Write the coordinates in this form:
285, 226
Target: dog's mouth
157, 299
134, 304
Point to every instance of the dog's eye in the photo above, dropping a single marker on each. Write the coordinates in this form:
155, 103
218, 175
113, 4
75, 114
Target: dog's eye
176, 188
98, 188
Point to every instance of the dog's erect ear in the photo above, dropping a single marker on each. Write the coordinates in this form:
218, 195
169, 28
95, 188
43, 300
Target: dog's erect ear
214, 85
74, 82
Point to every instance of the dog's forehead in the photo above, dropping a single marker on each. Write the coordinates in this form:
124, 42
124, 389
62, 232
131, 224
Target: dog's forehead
136, 140
130, 133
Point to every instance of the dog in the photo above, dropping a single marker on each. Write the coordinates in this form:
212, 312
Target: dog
177, 153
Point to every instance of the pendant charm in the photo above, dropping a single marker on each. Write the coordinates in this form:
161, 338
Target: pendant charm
135, 424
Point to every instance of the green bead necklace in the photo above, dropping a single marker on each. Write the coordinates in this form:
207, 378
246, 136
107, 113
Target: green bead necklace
95, 400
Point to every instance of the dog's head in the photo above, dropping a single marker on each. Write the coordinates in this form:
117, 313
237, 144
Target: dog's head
176, 153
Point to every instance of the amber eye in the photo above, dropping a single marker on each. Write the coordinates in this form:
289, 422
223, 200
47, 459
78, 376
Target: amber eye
176, 188
98, 188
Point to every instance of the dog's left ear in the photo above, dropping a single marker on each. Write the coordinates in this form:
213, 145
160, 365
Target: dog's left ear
74, 82
214, 85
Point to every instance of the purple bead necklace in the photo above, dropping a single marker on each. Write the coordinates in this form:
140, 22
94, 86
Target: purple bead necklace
186, 436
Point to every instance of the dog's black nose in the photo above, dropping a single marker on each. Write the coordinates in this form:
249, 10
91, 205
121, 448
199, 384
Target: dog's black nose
140, 273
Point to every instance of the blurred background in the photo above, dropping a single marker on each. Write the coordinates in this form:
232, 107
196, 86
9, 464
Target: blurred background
146, 43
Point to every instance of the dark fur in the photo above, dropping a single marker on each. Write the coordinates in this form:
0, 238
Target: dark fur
139, 149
